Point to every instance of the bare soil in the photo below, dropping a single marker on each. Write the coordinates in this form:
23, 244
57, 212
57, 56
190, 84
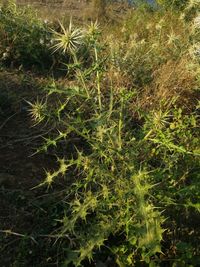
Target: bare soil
19, 171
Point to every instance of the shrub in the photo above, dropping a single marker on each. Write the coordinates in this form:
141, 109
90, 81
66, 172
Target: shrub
25, 39
174, 4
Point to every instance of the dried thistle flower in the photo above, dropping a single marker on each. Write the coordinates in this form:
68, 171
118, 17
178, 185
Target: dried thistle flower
69, 40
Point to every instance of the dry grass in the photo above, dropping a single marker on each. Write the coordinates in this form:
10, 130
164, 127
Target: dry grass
81, 11
172, 80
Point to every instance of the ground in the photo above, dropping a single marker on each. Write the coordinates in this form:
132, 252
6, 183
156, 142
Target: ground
19, 171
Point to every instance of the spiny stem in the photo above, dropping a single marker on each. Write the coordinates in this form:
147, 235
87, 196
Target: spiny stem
120, 124
80, 75
111, 101
98, 79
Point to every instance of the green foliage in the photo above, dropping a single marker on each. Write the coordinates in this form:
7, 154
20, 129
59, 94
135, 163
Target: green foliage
174, 4
25, 39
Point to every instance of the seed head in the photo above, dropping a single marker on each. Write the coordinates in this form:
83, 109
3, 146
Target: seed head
68, 40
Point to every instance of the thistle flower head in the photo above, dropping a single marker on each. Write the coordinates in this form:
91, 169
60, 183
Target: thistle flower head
93, 28
68, 40
37, 111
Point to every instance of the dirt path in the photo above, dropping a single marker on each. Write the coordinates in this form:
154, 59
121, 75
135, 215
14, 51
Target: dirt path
19, 172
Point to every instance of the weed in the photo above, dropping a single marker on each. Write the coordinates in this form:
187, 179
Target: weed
123, 178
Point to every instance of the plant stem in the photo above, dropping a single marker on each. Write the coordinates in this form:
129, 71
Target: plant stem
120, 124
98, 79
80, 75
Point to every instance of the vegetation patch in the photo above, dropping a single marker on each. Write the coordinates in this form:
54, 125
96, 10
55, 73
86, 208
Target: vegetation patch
120, 133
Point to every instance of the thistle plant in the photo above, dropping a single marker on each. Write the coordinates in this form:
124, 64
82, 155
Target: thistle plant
93, 35
69, 41
122, 177
110, 193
